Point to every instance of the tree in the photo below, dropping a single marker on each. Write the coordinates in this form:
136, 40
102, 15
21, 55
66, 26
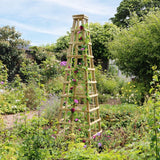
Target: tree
101, 35
138, 49
11, 49
128, 7
61, 46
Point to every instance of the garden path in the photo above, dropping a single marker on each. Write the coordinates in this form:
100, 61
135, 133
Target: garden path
9, 120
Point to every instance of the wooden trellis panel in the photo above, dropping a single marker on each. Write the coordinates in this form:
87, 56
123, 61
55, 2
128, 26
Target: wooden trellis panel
79, 107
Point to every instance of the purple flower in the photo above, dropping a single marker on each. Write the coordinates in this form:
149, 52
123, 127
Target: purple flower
2, 82
72, 110
79, 129
82, 49
85, 146
98, 134
83, 141
75, 101
76, 120
74, 80
81, 27
63, 63
79, 32
94, 136
99, 144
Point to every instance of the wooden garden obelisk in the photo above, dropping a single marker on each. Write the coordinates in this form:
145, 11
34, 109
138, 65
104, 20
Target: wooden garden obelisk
79, 108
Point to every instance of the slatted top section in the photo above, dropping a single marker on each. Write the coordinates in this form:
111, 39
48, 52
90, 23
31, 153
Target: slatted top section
80, 16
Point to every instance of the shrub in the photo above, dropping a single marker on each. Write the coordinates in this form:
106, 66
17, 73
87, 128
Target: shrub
50, 69
51, 109
54, 85
133, 93
29, 71
3, 74
33, 96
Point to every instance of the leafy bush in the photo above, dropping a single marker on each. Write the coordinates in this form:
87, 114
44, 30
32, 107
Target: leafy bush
50, 68
51, 109
29, 71
11, 102
107, 84
33, 96
54, 85
133, 93
3, 74
137, 49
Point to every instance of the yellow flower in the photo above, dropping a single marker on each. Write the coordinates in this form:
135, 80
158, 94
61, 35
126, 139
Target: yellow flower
129, 82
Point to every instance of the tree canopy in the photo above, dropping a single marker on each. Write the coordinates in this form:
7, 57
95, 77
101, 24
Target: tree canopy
11, 49
128, 7
101, 35
138, 49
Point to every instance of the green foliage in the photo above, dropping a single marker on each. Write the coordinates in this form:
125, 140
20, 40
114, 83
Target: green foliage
51, 110
101, 35
108, 84
3, 74
38, 53
11, 102
11, 50
128, 7
153, 107
29, 71
54, 85
133, 93
61, 47
137, 49
50, 68
32, 96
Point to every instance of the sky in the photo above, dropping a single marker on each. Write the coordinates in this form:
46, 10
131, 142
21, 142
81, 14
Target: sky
44, 21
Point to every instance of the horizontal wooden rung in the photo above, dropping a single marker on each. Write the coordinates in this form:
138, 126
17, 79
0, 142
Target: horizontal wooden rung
79, 56
94, 95
94, 109
95, 121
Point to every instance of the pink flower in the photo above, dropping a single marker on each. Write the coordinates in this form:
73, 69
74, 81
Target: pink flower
76, 120
63, 63
69, 67
2, 82
94, 136
82, 49
75, 101
69, 121
80, 38
80, 63
72, 110
74, 80
79, 129
81, 27
79, 32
